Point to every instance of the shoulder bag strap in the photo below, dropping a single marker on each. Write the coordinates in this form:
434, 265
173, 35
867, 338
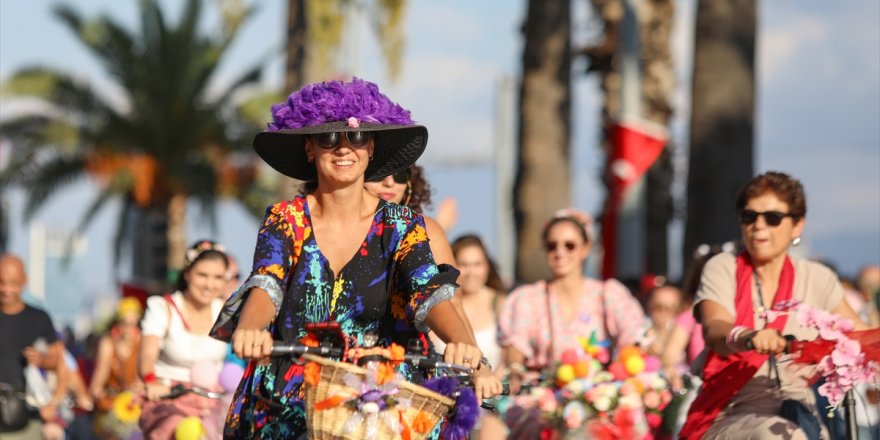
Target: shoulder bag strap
173, 305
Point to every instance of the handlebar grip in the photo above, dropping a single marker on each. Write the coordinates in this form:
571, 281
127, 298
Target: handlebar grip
788, 340
290, 349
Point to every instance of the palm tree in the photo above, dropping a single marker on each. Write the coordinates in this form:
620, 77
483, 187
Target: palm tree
542, 181
169, 140
722, 119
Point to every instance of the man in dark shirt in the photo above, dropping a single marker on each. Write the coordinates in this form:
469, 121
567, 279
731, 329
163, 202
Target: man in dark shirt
20, 327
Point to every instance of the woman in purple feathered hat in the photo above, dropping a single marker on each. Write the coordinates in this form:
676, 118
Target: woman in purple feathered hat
337, 253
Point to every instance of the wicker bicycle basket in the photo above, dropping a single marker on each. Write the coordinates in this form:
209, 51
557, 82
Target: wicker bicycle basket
327, 424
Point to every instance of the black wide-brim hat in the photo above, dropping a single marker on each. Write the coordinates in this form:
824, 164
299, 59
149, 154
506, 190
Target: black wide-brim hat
396, 147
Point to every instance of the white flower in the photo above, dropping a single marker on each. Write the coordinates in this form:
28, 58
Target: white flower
603, 403
370, 408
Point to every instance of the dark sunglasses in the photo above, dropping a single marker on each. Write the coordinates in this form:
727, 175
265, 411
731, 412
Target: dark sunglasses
772, 218
402, 177
551, 246
331, 140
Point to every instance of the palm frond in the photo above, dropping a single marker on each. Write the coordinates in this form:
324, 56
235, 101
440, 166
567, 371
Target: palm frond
51, 175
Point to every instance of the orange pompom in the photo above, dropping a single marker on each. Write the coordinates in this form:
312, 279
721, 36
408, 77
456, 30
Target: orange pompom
312, 374
582, 368
422, 423
627, 352
385, 373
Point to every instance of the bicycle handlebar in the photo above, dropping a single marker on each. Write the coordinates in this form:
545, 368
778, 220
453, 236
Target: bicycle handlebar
788, 340
180, 390
418, 360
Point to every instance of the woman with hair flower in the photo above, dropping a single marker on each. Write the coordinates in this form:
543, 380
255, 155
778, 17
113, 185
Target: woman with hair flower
337, 253
745, 394
541, 321
175, 347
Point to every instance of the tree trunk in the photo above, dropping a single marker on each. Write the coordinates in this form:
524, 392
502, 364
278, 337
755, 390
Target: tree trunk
294, 73
722, 120
658, 82
542, 182
297, 30
176, 232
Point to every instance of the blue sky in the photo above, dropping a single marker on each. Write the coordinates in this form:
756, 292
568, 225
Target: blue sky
818, 111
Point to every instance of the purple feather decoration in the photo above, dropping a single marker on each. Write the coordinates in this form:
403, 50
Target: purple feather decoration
320, 103
465, 416
466, 412
444, 385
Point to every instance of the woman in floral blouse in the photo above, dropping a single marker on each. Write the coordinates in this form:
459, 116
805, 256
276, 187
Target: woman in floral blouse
540, 321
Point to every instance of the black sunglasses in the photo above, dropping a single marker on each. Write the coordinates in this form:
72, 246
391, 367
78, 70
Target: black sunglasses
551, 246
331, 140
402, 177
772, 218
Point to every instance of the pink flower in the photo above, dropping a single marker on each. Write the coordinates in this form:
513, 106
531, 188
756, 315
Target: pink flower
652, 399
771, 315
654, 420
353, 122
825, 366
832, 391
846, 352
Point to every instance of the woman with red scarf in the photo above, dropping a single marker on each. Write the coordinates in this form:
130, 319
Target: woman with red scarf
744, 389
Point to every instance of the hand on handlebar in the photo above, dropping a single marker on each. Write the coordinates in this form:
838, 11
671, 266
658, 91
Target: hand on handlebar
156, 391
252, 344
486, 383
462, 354
766, 341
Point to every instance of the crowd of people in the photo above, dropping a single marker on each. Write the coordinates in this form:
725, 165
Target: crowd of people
355, 248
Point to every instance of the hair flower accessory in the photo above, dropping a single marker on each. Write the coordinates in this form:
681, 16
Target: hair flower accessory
581, 217
199, 248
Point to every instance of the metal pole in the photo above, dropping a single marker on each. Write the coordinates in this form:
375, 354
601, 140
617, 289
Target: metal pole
849, 402
630, 240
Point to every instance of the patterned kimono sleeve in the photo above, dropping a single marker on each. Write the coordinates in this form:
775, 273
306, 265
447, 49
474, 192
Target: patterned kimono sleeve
273, 258
418, 283
518, 320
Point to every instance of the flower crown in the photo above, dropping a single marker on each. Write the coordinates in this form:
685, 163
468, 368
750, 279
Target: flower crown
583, 220
200, 247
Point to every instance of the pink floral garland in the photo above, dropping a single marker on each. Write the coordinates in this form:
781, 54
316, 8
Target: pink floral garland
839, 359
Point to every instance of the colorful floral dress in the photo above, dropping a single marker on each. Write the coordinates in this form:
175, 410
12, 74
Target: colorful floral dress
387, 288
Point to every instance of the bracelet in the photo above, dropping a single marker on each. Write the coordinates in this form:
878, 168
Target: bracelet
149, 377
517, 367
733, 338
484, 361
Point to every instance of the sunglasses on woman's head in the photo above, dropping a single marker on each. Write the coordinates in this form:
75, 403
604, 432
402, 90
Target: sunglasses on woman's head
331, 140
771, 218
551, 246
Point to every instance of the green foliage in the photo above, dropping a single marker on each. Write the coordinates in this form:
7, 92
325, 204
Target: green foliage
166, 112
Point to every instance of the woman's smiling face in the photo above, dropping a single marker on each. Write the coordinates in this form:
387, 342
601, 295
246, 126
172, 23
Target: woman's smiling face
342, 164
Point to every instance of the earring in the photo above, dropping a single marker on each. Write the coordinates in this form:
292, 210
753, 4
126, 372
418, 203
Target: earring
408, 194
310, 159
796, 241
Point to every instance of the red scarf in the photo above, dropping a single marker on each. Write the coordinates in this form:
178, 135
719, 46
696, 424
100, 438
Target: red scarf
725, 376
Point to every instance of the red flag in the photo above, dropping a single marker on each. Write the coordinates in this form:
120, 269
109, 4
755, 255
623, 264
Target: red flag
634, 148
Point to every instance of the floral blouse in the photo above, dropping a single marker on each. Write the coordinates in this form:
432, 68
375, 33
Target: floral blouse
387, 288
527, 325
